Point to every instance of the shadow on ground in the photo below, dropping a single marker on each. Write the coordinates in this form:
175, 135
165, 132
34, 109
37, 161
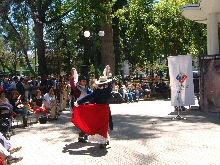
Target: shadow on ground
126, 126
91, 149
197, 116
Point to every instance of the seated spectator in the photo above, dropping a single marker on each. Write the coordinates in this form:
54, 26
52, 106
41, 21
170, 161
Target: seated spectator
18, 106
136, 90
140, 91
4, 101
37, 104
6, 151
131, 93
5, 105
50, 103
116, 95
125, 94
162, 88
146, 90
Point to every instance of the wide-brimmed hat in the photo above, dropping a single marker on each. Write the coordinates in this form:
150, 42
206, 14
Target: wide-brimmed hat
103, 80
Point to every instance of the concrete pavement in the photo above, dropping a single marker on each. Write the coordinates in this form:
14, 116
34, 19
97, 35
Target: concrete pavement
143, 134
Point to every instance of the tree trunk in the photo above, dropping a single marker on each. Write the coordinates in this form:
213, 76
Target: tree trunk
108, 56
40, 45
116, 45
107, 50
219, 36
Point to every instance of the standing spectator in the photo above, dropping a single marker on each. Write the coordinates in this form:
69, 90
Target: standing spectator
62, 88
44, 84
14, 83
20, 87
33, 87
6, 87
27, 88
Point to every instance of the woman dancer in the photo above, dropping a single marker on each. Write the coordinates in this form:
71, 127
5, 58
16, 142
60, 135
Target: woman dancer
93, 119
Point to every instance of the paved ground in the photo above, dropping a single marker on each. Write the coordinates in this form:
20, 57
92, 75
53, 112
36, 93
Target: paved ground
143, 135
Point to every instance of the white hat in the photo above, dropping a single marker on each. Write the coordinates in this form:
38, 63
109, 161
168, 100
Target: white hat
103, 80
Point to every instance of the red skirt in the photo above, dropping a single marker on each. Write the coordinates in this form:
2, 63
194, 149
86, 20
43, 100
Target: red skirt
92, 119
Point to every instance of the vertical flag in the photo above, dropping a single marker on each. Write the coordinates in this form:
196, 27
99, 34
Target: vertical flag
181, 80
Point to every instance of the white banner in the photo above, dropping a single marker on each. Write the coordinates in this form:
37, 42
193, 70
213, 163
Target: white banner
181, 80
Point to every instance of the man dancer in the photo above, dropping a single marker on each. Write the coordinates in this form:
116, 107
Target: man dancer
79, 90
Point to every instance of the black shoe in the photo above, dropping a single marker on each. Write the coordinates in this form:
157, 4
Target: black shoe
13, 159
111, 126
82, 140
85, 137
102, 146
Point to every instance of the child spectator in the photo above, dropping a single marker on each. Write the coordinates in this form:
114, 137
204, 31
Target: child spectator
38, 106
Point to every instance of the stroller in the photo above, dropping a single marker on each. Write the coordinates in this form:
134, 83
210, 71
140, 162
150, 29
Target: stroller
6, 121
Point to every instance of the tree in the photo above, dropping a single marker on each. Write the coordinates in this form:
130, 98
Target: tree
150, 30
135, 42
8, 60
118, 5
15, 26
37, 15
39, 12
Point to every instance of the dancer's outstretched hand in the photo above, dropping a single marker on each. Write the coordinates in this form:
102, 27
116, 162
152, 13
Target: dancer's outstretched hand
76, 104
73, 70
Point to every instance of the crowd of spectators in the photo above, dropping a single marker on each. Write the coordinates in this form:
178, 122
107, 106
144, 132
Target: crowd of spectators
49, 95
131, 91
54, 92
46, 94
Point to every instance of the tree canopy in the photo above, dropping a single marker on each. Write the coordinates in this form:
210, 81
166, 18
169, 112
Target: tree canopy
140, 31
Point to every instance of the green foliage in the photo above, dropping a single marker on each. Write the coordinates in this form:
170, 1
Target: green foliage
150, 30
144, 30
8, 60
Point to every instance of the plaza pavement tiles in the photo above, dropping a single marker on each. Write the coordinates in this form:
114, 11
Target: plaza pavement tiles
143, 134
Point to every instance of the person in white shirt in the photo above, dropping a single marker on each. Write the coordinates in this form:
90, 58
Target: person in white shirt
50, 103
